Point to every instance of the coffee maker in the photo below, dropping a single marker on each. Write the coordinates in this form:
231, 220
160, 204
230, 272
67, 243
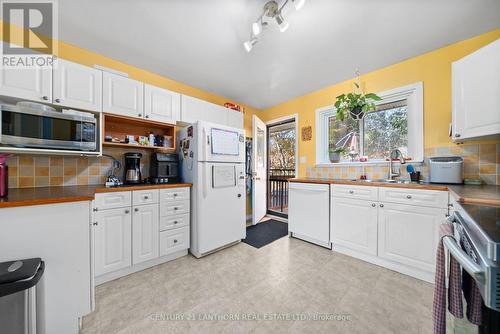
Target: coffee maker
164, 168
132, 168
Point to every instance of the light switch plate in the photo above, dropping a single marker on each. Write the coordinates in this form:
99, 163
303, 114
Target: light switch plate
303, 159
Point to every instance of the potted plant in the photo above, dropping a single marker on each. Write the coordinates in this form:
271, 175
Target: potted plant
336, 153
354, 104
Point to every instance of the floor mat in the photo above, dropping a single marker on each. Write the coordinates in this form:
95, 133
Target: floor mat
264, 233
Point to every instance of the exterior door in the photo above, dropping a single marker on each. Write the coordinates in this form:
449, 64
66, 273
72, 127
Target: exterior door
259, 168
354, 224
161, 105
145, 233
122, 96
77, 86
113, 240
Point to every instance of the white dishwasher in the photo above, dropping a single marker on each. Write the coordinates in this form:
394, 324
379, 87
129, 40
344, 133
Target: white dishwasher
309, 212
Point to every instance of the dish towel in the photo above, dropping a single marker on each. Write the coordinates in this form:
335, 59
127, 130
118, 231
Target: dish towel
455, 285
473, 299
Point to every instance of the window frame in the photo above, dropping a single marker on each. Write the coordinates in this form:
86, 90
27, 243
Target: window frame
413, 94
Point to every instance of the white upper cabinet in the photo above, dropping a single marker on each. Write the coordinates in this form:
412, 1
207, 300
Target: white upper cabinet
77, 86
161, 105
235, 119
122, 96
29, 84
193, 110
475, 94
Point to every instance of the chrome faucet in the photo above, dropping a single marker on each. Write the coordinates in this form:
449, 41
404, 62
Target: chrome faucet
394, 154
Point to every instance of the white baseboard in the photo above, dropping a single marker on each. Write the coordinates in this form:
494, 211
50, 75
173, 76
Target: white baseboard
138, 267
400, 268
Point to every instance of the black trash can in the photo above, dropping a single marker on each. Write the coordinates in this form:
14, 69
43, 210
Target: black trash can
18, 305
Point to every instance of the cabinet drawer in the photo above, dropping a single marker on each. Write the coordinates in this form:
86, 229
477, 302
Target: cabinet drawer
174, 208
174, 194
170, 222
174, 240
356, 192
149, 196
431, 198
113, 200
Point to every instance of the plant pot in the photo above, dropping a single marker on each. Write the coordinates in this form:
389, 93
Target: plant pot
334, 157
357, 113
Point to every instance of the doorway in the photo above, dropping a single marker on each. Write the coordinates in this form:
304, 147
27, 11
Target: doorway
281, 163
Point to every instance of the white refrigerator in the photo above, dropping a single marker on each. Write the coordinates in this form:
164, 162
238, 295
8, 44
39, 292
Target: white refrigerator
212, 158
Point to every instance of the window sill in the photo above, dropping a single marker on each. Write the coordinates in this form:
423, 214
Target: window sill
368, 163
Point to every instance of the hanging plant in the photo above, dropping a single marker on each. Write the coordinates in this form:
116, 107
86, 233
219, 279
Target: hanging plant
355, 105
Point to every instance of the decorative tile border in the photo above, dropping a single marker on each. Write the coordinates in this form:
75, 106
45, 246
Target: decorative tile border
481, 161
27, 171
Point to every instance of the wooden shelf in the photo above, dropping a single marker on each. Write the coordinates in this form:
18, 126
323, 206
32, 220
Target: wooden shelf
120, 126
156, 148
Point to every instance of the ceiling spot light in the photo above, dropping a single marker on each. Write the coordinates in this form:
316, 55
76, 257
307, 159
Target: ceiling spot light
248, 45
282, 23
298, 4
256, 28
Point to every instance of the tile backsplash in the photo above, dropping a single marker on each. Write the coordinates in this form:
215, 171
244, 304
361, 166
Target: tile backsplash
27, 171
481, 161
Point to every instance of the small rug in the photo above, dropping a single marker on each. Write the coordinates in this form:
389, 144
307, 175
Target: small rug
266, 232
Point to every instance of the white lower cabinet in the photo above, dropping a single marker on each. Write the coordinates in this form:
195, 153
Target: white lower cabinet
354, 224
409, 234
386, 232
135, 230
113, 240
145, 227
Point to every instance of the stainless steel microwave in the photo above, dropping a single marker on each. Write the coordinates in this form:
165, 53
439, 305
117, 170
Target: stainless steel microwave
44, 127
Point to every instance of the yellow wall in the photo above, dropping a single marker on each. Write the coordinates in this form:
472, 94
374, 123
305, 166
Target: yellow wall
433, 69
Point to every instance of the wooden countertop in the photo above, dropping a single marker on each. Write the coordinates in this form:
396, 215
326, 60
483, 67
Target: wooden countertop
484, 194
52, 195
412, 185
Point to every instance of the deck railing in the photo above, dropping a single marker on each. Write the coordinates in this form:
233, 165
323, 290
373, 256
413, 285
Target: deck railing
277, 187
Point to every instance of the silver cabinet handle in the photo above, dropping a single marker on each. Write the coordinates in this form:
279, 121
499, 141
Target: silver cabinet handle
381, 205
136, 209
147, 116
95, 224
408, 196
45, 97
176, 208
95, 209
175, 222
140, 115
351, 191
175, 241
57, 100
127, 211
457, 135
146, 197
374, 205
175, 194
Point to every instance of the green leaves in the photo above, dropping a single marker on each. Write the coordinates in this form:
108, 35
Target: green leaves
345, 103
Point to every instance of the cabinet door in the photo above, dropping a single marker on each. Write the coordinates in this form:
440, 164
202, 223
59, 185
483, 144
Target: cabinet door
193, 109
475, 98
217, 114
29, 84
145, 233
161, 105
122, 95
308, 211
409, 234
354, 224
235, 119
77, 86
113, 240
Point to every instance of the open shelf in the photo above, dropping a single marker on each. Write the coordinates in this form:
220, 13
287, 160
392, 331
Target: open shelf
120, 126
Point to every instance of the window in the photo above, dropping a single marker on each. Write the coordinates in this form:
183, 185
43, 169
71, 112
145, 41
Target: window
397, 122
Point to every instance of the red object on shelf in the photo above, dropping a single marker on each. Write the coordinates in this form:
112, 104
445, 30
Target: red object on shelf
233, 106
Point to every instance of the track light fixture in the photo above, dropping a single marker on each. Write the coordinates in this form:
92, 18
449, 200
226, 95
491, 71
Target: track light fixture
271, 11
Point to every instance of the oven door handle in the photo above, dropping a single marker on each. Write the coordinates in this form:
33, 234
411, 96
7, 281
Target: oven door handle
462, 258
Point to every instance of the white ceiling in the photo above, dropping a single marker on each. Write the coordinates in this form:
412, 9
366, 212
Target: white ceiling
199, 42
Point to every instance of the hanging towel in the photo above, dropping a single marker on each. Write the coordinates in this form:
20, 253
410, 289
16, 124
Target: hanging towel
455, 292
473, 299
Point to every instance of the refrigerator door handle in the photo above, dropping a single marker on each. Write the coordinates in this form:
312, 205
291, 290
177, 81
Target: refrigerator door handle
204, 181
204, 135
